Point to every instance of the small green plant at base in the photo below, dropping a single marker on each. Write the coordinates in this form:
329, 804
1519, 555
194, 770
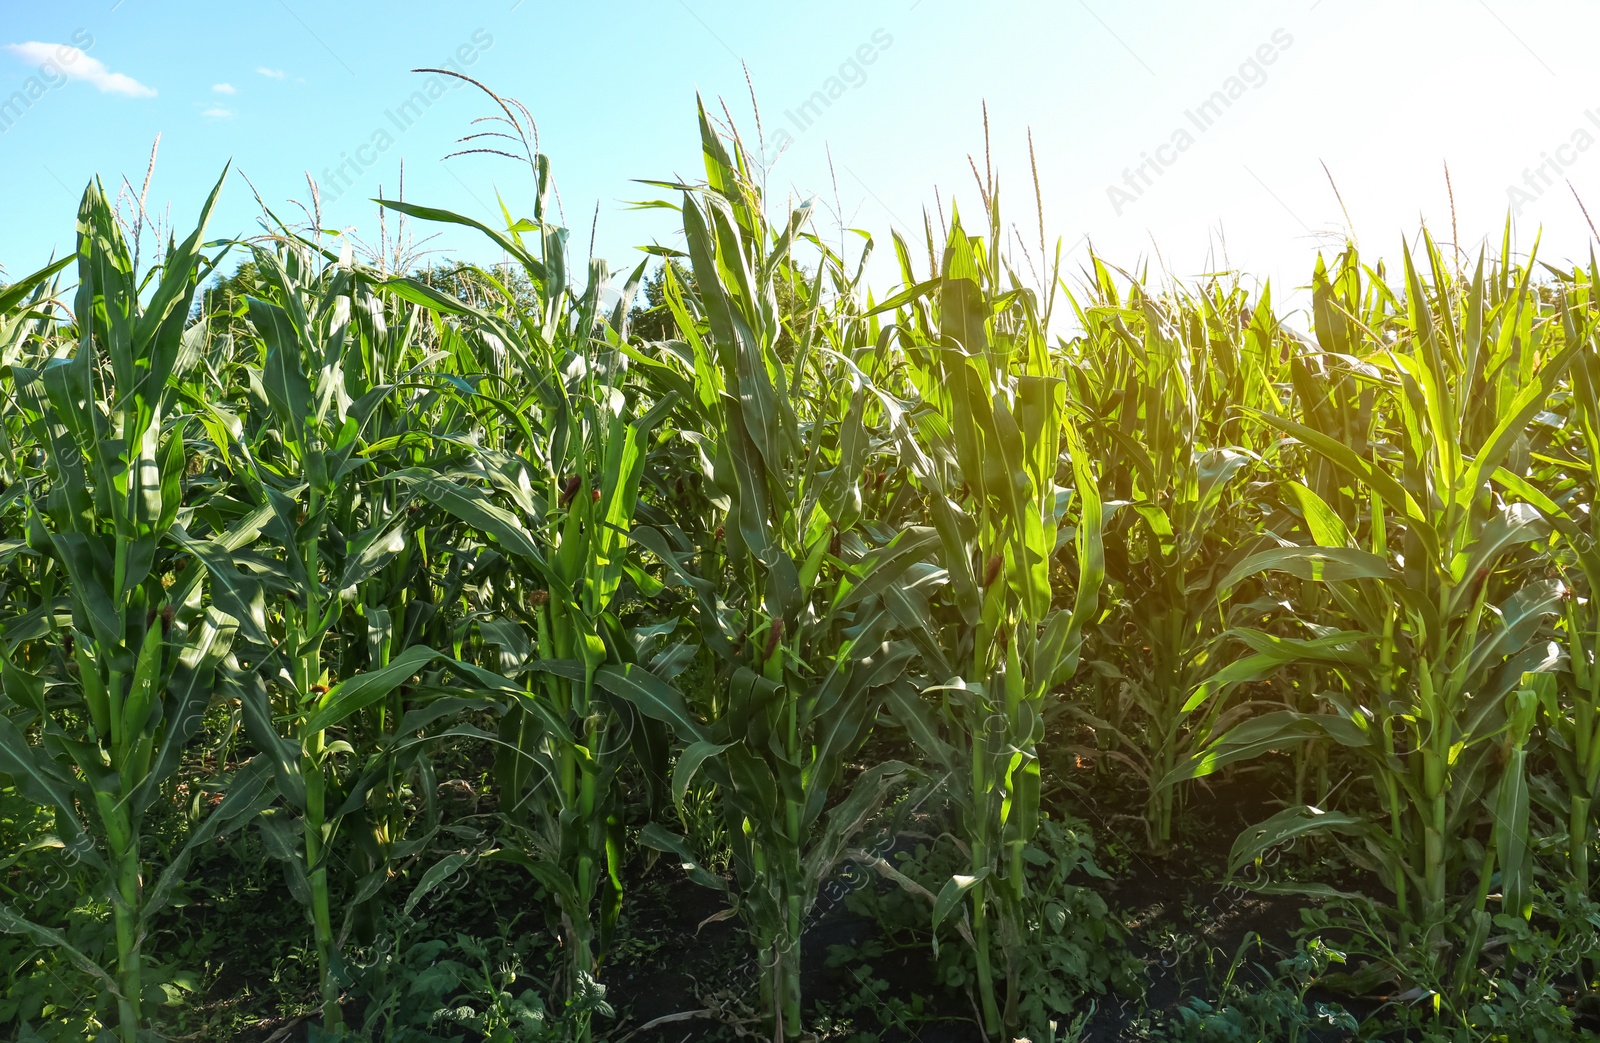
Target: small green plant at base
1522, 989
1070, 956
434, 990
1276, 1011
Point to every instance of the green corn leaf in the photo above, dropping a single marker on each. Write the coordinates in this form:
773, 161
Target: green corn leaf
19, 291
952, 892
14, 923
657, 838
366, 688
1319, 564
1278, 730
47, 785
1325, 526
1285, 826
653, 697
689, 762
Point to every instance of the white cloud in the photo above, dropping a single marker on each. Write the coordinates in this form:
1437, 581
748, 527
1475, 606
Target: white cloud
224, 88
218, 112
61, 59
271, 74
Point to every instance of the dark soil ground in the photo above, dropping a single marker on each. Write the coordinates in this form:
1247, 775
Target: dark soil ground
680, 972
1181, 923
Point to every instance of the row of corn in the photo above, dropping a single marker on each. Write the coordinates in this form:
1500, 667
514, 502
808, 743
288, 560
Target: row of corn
358, 515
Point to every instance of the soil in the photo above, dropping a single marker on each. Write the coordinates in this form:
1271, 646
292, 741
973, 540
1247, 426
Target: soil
683, 970
1174, 909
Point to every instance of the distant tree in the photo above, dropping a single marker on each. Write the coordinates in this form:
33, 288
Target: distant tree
222, 304
650, 318
472, 283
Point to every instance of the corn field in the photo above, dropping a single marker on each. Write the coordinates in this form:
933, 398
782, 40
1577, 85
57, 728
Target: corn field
1027, 563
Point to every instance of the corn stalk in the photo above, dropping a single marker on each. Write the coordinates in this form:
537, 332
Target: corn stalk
1439, 601
106, 679
800, 608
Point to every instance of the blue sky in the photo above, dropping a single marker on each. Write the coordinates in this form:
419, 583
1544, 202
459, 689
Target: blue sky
1189, 135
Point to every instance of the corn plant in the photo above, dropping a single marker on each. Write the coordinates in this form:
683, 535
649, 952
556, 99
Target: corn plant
558, 488
317, 550
796, 601
344, 510
993, 420
1438, 600
107, 676
1570, 708
1162, 382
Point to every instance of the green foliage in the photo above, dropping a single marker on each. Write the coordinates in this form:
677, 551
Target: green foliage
1071, 956
1276, 1010
1163, 381
225, 303
403, 580
651, 319
426, 990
